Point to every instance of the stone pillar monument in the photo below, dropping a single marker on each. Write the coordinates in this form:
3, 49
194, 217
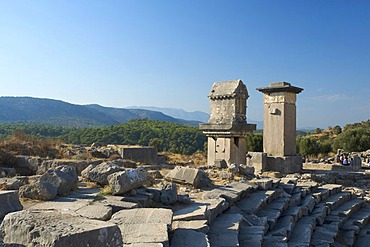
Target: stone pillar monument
227, 126
279, 130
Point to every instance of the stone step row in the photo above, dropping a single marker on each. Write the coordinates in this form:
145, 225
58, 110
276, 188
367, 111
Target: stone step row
306, 216
289, 227
298, 207
204, 223
350, 231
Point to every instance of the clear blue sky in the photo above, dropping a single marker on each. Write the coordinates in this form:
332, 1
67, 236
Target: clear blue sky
168, 53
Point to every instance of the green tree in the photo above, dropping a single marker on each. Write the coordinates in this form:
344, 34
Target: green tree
336, 130
307, 146
254, 142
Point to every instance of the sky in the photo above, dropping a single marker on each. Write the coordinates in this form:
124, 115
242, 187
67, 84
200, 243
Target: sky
122, 53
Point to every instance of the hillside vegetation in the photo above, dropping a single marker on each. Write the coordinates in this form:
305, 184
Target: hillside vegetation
182, 139
353, 138
172, 137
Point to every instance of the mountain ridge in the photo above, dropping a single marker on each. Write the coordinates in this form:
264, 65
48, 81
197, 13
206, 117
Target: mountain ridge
23, 109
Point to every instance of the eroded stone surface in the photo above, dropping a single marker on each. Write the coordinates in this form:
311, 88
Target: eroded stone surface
185, 175
122, 182
50, 228
99, 172
144, 225
187, 237
9, 202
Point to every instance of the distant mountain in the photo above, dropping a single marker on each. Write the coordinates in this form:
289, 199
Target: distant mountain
56, 112
182, 114
177, 113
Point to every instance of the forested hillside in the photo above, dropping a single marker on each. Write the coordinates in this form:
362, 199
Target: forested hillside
353, 138
184, 139
165, 136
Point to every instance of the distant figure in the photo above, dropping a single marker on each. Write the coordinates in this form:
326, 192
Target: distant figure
345, 161
368, 163
341, 159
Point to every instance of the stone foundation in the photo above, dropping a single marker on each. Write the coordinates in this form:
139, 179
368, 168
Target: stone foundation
286, 164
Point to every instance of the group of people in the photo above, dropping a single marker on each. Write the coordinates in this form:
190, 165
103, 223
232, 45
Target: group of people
343, 159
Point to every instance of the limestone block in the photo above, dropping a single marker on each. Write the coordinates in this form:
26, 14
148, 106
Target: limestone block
144, 225
220, 164
194, 211
185, 175
26, 165
99, 172
258, 160
64, 178
50, 228
144, 233
9, 202
224, 230
232, 193
80, 165
143, 216
63, 207
246, 170
9, 183
196, 225
263, 183
116, 203
188, 237
122, 182
168, 193
43, 191
96, 212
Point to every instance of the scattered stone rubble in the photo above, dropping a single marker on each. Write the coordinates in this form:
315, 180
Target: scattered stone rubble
268, 209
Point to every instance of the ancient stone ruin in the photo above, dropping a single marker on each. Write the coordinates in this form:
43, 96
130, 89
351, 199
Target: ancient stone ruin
279, 127
227, 126
120, 202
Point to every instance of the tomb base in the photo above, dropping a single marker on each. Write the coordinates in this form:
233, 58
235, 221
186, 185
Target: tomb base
286, 164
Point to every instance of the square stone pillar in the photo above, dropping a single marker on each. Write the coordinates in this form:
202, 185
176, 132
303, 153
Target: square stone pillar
279, 130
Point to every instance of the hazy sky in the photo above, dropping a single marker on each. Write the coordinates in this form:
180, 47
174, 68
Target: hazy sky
168, 53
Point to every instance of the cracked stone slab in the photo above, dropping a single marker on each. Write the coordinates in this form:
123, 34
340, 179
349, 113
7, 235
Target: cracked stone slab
187, 237
196, 225
144, 225
51, 228
224, 231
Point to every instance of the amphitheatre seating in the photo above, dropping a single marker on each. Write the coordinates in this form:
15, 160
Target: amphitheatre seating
289, 214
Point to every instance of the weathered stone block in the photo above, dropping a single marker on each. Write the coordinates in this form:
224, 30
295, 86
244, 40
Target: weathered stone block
168, 193
96, 212
44, 191
220, 164
26, 165
144, 225
99, 172
64, 178
122, 182
80, 165
50, 228
185, 175
9, 202
147, 155
258, 160
196, 225
188, 237
286, 164
9, 183
143, 216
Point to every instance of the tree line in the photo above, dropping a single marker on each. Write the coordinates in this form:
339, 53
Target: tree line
166, 136
178, 138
